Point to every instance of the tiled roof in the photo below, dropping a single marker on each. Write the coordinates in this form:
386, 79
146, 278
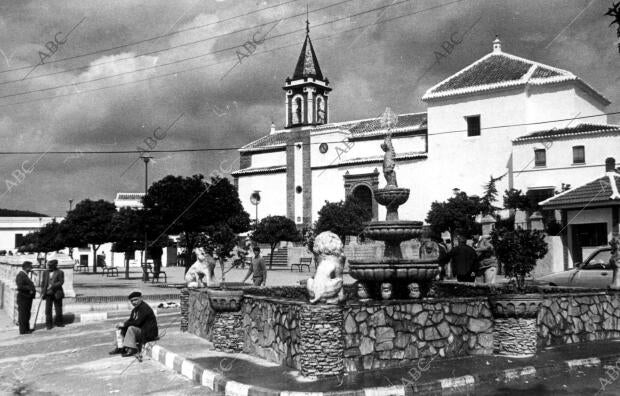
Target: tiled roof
307, 64
357, 128
594, 193
581, 129
499, 70
257, 170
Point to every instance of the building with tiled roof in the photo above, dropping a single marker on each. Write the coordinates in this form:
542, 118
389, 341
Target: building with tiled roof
490, 118
589, 212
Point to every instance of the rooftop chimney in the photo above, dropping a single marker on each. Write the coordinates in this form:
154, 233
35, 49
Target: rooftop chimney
610, 165
273, 129
497, 45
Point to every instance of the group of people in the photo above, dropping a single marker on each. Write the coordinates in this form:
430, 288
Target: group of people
51, 290
468, 262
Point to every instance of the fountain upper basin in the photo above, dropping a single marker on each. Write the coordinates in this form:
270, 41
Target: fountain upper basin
395, 230
394, 270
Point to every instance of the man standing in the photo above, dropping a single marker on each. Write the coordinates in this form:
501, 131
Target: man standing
487, 259
464, 261
140, 328
51, 290
257, 269
26, 292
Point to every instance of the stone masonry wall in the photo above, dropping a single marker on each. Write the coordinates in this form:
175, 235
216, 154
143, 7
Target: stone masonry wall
382, 334
322, 340
565, 319
223, 329
272, 329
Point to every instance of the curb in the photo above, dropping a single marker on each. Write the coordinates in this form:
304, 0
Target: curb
217, 382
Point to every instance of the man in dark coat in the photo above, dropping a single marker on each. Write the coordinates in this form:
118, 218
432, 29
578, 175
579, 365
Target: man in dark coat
140, 328
464, 259
26, 292
51, 290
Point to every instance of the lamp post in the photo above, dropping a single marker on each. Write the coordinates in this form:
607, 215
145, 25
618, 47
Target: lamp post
70, 205
146, 158
255, 200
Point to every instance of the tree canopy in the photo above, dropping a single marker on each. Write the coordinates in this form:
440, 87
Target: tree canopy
273, 230
89, 223
456, 215
191, 206
342, 218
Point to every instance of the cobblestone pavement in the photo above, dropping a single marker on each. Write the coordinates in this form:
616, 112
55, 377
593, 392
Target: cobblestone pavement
74, 360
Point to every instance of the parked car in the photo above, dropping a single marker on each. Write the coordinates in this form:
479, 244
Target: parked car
594, 272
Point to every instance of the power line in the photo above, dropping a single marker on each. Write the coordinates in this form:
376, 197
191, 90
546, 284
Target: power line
155, 37
221, 62
284, 145
201, 55
175, 47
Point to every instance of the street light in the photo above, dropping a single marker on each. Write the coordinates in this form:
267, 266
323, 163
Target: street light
255, 200
146, 157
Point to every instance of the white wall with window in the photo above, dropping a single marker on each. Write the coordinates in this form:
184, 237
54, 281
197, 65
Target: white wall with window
12, 229
573, 160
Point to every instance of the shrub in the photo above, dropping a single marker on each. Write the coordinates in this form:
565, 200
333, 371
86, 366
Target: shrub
518, 250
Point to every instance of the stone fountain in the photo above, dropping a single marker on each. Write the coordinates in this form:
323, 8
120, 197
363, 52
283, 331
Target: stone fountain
392, 275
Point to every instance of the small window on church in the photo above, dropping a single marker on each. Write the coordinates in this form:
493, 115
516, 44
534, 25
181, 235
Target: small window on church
473, 125
298, 189
298, 115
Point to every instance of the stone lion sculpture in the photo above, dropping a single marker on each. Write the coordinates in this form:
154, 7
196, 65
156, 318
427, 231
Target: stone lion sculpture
202, 272
326, 286
614, 262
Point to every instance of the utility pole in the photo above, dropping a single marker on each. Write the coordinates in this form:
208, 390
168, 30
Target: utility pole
146, 158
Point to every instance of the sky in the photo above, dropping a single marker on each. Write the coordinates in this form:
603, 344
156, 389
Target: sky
84, 75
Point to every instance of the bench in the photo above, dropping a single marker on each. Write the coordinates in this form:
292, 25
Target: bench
303, 261
151, 273
109, 271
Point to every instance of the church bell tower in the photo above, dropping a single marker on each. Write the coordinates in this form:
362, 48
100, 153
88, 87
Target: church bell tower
307, 90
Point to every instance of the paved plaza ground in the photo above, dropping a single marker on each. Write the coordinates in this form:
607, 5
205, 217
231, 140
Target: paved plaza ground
91, 284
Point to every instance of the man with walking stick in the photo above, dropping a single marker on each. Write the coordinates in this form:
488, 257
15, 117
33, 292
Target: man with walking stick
26, 292
51, 290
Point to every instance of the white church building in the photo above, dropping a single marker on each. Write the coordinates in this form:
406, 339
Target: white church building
538, 126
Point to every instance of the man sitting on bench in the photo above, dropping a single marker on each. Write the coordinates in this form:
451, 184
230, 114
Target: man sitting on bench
139, 329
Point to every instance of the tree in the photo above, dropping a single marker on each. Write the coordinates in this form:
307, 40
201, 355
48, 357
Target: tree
89, 223
127, 234
273, 230
457, 215
515, 199
190, 206
518, 250
47, 239
342, 218
490, 195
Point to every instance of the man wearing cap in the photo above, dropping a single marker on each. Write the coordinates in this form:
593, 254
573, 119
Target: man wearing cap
257, 269
140, 328
51, 290
26, 292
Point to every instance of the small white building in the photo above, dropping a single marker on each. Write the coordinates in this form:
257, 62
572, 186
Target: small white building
13, 229
487, 119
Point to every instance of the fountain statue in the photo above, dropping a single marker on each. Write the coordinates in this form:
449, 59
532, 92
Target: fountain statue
202, 272
326, 286
392, 276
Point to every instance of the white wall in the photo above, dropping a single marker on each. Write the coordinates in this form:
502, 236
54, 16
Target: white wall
561, 102
560, 168
11, 226
272, 191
